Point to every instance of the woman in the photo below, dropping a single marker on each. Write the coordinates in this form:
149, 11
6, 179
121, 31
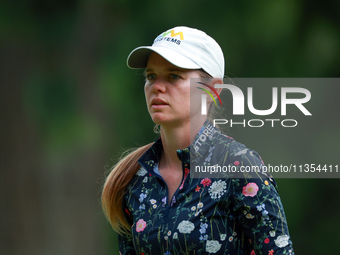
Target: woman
151, 198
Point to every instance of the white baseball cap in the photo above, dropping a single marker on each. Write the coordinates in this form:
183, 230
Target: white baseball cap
185, 47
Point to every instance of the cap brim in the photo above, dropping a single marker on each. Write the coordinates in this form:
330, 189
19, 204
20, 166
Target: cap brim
138, 58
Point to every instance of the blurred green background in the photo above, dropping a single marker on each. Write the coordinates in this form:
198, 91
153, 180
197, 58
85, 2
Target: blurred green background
69, 106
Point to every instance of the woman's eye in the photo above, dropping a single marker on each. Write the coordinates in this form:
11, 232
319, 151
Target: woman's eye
174, 76
150, 76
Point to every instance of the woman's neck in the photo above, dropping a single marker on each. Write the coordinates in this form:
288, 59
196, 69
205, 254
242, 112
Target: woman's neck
177, 138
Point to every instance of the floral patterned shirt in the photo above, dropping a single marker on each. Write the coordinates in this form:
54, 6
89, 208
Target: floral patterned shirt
208, 214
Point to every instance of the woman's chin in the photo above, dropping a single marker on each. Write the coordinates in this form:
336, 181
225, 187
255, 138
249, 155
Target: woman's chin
158, 118
163, 120
160, 121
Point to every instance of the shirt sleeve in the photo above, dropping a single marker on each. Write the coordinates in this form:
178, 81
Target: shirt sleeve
126, 245
258, 207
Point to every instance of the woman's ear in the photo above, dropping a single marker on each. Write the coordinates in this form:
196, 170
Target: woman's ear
212, 83
217, 81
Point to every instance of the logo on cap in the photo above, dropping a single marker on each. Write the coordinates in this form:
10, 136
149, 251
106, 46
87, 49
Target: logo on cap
165, 38
173, 34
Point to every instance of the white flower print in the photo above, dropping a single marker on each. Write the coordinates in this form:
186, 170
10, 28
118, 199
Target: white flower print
212, 246
193, 208
200, 205
223, 237
217, 189
175, 235
272, 233
197, 213
241, 152
153, 201
281, 241
186, 227
145, 180
250, 216
141, 172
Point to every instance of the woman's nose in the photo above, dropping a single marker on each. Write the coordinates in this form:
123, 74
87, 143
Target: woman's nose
159, 85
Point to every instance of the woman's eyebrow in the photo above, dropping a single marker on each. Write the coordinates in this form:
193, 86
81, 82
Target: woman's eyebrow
148, 70
175, 70
171, 69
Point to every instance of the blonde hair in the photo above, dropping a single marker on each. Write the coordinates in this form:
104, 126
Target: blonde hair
115, 187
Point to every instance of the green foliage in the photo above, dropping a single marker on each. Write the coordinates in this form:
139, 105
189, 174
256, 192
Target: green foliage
78, 92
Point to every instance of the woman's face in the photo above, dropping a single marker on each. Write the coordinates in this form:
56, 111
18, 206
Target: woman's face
167, 92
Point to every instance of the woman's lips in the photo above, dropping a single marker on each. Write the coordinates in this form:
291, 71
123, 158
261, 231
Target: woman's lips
158, 103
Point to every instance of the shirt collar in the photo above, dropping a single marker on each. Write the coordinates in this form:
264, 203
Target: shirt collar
203, 140
194, 152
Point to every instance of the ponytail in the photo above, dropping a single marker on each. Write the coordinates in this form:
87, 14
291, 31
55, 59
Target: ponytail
115, 186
